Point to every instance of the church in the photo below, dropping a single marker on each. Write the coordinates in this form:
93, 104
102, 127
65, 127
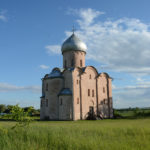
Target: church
76, 91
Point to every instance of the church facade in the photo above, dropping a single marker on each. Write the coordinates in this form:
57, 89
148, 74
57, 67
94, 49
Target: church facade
76, 91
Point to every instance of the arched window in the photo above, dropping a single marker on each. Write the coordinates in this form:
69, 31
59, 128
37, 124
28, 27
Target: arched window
46, 86
72, 63
46, 102
77, 100
92, 93
90, 77
61, 102
88, 92
103, 90
77, 81
80, 63
105, 101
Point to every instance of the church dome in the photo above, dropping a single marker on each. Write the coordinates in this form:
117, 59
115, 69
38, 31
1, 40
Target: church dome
73, 43
56, 73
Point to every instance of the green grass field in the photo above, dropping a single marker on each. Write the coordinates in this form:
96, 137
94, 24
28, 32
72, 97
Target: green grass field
120, 134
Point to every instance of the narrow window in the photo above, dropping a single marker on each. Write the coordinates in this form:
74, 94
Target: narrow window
72, 63
90, 77
46, 86
92, 93
80, 63
77, 100
46, 102
103, 90
65, 64
61, 102
88, 92
77, 81
104, 101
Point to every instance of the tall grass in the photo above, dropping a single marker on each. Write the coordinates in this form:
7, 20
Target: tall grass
78, 135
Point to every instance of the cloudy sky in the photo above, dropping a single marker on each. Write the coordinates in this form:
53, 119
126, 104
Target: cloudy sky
116, 32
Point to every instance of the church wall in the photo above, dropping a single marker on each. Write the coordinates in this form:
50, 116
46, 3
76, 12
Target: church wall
74, 56
54, 87
87, 83
65, 107
42, 103
104, 108
68, 79
76, 94
42, 109
110, 97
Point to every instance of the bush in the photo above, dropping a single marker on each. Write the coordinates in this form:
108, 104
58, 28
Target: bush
20, 116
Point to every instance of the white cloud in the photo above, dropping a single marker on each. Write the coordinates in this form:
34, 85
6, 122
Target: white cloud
44, 67
87, 16
5, 87
132, 96
2, 15
121, 45
120, 48
56, 49
134, 87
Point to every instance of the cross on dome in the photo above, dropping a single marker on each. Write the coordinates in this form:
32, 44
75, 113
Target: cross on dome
73, 29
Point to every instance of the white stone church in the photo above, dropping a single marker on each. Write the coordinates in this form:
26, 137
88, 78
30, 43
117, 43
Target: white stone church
75, 92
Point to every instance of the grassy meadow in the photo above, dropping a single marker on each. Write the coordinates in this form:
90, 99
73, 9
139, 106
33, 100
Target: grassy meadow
115, 134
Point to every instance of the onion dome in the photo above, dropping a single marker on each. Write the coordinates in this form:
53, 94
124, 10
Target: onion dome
73, 43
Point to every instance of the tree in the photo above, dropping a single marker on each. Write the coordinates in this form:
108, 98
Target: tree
2, 108
20, 116
8, 109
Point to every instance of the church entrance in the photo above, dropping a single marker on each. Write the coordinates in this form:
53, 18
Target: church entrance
91, 114
91, 110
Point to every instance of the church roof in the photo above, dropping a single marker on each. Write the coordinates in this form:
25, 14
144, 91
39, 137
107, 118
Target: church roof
55, 73
65, 91
73, 43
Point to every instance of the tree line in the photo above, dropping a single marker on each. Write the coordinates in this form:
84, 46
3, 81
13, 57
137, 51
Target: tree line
6, 109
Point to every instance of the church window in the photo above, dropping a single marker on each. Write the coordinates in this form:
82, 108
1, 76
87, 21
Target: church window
46, 86
92, 93
77, 81
61, 102
80, 63
90, 77
88, 92
46, 102
77, 100
72, 63
103, 90
65, 63
105, 101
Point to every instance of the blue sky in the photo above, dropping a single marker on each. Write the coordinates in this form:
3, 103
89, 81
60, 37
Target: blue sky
117, 34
